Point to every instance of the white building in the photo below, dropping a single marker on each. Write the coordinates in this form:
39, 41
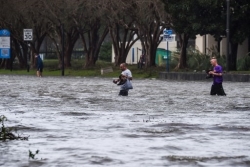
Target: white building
136, 50
206, 42
202, 43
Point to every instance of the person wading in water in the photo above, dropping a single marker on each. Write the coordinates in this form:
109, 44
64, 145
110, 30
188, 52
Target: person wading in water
217, 88
124, 80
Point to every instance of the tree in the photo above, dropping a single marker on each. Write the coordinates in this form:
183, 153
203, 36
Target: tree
40, 26
121, 28
150, 20
63, 30
15, 23
239, 28
91, 27
192, 17
23, 16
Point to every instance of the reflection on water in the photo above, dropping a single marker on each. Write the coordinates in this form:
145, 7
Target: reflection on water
83, 122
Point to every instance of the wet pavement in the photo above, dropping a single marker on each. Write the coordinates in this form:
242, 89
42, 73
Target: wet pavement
76, 121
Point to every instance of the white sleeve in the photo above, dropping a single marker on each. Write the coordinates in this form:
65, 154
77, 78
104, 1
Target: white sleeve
127, 73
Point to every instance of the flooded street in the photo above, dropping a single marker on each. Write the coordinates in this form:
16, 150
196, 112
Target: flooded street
76, 121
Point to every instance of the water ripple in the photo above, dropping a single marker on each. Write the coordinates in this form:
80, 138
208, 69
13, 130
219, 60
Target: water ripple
77, 121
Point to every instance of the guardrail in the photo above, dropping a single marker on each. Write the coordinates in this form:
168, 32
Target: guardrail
202, 76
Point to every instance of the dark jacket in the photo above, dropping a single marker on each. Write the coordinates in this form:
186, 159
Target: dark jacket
39, 63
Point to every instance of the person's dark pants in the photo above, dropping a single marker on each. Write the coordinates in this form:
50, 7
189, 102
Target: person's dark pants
123, 93
40, 69
217, 89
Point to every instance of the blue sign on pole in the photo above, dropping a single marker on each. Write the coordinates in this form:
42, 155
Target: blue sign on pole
165, 32
4, 44
169, 32
167, 36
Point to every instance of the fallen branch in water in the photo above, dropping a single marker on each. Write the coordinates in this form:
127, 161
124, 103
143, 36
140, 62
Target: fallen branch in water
6, 133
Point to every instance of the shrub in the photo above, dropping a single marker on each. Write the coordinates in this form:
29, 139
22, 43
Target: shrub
243, 64
106, 52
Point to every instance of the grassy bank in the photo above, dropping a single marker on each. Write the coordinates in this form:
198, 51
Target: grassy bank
51, 69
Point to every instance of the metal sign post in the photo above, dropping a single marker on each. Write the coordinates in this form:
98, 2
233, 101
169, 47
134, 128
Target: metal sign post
167, 35
167, 66
228, 37
62, 34
28, 36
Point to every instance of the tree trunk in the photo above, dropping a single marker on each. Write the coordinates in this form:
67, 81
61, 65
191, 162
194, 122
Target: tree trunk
92, 41
67, 55
68, 50
71, 37
20, 50
183, 55
152, 55
150, 38
121, 44
233, 57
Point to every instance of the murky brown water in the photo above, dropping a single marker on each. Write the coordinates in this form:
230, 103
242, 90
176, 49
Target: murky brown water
83, 122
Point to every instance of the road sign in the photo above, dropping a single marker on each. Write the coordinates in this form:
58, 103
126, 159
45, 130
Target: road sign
167, 32
27, 34
4, 44
168, 38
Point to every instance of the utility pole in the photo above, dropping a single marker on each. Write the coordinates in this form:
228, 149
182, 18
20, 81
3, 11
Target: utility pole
228, 36
62, 31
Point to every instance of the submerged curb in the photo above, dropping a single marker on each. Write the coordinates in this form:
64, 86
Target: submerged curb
202, 76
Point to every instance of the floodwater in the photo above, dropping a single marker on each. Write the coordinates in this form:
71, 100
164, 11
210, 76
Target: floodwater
77, 121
